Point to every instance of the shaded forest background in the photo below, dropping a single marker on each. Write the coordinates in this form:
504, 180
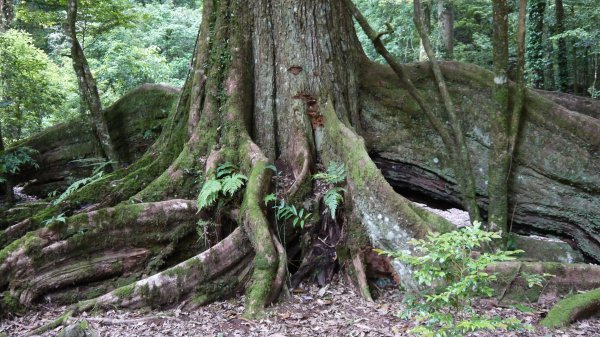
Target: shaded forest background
129, 43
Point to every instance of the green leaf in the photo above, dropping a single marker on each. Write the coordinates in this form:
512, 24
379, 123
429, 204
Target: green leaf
336, 173
332, 199
225, 169
232, 183
269, 198
209, 193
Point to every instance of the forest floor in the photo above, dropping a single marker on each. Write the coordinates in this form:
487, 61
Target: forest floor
334, 310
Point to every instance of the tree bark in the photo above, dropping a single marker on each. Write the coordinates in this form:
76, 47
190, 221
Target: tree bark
7, 14
426, 5
7, 186
446, 23
499, 159
88, 88
536, 64
561, 52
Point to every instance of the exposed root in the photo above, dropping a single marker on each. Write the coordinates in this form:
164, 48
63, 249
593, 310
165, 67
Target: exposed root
256, 225
175, 283
388, 217
282, 271
92, 246
52, 325
301, 176
361, 277
573, 308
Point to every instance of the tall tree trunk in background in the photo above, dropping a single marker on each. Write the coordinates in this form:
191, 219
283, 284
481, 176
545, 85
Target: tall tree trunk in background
7, 14
88, 87
549, 78
426, 5
504, 122
5, 19
536, 59
445, 10
561, 53
499, 160
7, 186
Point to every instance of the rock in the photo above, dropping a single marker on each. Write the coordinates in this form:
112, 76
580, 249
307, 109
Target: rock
545, 249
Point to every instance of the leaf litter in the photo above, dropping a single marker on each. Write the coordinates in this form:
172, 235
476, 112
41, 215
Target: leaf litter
334, 310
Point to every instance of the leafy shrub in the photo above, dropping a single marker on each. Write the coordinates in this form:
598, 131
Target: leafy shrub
225, 182
450, 269
13, 161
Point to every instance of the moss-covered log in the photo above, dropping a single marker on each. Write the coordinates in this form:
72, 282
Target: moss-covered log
95, 246
573, 308
134, 122
555, 176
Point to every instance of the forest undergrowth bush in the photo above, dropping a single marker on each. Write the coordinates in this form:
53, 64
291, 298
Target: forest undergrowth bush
450, 270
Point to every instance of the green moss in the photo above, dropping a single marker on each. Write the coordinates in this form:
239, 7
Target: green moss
176, 272
94, 292
124, 281
29, 243
125, 292
10, 303
567, 310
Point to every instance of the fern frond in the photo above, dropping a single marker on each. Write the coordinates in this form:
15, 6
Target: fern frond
232, 183
336, 173
332, 199
209, 193
270, 197
225, 169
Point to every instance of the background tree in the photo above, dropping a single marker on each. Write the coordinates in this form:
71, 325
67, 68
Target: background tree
536, 54
445, 9
561, 51
88, 87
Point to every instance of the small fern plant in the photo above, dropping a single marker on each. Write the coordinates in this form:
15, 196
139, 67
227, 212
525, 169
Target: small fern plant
334, 175
225, 182
97, 174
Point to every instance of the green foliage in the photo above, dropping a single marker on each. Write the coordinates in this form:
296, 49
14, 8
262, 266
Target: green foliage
209, 193
284, 211
55, 219
13, 161
450, 269
270, 198
225, 182
535, 280
97, 174
335, 174
30, 80
332, 199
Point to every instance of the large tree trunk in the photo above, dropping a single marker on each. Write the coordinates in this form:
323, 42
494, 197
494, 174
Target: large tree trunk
286, 81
